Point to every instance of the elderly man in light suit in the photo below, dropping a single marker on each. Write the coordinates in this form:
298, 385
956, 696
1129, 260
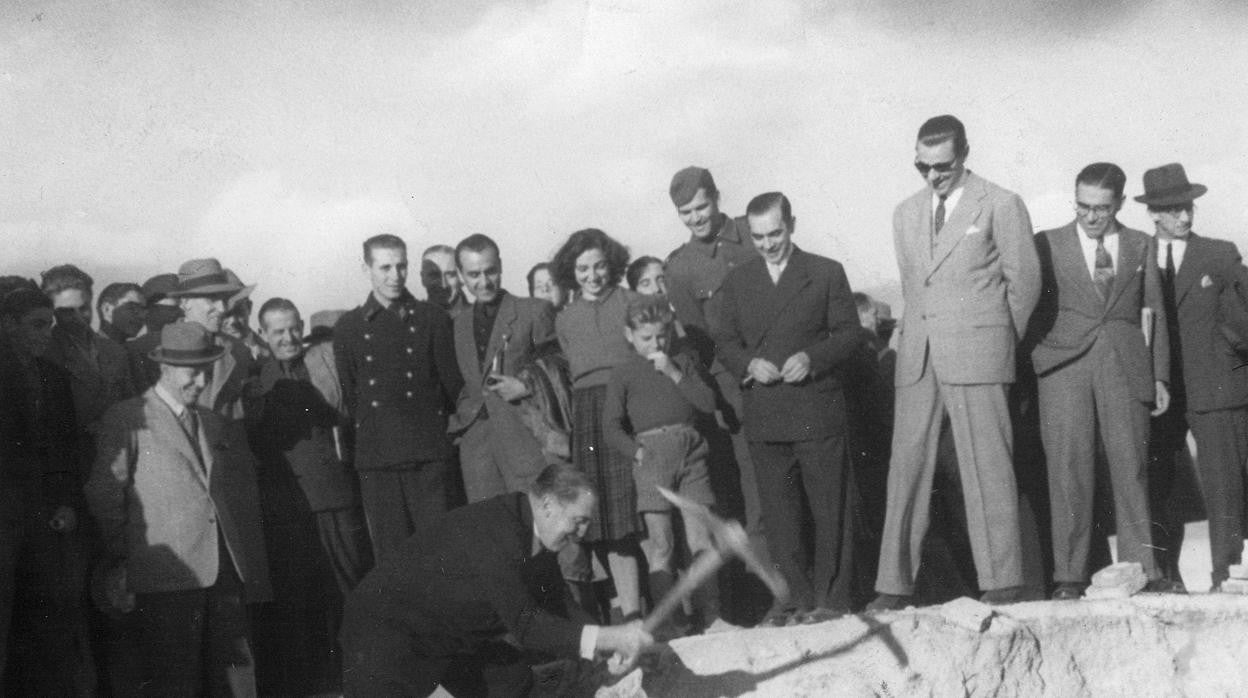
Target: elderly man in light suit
500, 333
970, 279
1102, 357
174, 569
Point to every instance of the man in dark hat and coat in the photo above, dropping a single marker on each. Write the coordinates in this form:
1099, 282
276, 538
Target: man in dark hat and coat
1204, 286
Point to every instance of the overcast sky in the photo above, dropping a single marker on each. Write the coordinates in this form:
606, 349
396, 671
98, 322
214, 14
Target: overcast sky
278, 135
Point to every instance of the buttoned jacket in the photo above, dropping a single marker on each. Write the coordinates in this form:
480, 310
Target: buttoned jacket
399, 380
161, 501
810, 310
1072, 316
696, 272
970, 291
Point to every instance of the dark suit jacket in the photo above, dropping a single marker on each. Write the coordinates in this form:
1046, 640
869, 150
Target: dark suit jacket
294, 438
1071, 315
160, 503
811, 310
39, 436
471, 580
1210, 289
970, 300
399, 381
528, 324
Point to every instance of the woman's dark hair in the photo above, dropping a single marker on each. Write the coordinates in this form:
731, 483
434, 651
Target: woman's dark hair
638, 267
563, 266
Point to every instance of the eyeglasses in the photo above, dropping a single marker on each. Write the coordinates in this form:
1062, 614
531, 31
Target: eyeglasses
1100, 210
942, 167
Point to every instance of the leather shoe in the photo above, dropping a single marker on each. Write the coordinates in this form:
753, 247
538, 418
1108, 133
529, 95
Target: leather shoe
1162, 585
818, 614
889, 602
777, 618
997, 597
1068, 591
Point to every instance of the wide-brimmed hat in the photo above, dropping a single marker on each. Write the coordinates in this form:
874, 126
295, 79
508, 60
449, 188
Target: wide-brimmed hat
204, 277
159, 286
186, 344
1168, 186
243, 292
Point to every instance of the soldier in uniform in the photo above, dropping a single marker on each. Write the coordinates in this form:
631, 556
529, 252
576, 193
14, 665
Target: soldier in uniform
695, 272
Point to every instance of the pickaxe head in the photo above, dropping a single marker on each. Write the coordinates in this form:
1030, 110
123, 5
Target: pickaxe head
731, 540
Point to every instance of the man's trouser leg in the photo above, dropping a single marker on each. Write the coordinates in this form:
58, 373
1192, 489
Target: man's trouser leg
1221, 455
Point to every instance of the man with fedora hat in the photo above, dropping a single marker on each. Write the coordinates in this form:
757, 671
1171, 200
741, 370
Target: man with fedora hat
174, 532
1098, 374
1204, 284
203, 290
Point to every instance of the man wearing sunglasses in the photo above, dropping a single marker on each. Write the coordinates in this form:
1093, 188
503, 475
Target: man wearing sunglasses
970, 279
1204, 285
1098, 374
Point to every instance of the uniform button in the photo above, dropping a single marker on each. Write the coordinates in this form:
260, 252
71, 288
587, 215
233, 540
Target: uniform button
368, 357
409, 350
411, 329
409, 374
372, 381
375, 403
367, 336
409, 393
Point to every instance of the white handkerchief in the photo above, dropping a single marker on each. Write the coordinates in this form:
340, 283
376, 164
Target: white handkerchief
1205, 281
972, 230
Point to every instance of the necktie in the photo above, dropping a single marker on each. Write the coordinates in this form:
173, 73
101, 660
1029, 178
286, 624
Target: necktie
1103, 273
190, 424
1170, 267
938, 221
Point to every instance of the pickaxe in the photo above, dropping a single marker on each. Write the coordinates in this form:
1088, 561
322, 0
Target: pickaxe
728, 540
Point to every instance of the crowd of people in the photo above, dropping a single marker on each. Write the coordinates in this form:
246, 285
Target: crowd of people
454, 490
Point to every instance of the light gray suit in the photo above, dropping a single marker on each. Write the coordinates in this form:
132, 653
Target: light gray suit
969, 292
1096, 375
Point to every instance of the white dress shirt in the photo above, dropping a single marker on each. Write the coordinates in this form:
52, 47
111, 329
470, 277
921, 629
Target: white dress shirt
1178, 246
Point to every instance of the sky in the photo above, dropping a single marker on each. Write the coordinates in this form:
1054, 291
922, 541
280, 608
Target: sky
278, 135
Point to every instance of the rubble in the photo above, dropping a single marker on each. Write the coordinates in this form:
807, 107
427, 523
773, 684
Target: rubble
1147, 645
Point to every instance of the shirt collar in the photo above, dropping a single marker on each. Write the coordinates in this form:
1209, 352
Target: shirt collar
177, 407
372, 306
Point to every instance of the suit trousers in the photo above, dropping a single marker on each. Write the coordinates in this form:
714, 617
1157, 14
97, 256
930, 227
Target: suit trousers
1221, 456
1082, 403
344, 535
982, 435
383, 663
187, 643
729, 405
498, 454
815, 474
402, 500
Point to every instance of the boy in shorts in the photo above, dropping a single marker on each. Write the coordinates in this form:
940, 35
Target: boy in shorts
652, 400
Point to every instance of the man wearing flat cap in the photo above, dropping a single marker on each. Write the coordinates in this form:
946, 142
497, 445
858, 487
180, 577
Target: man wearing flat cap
1204, 286
696, 270
174, 532
203, 290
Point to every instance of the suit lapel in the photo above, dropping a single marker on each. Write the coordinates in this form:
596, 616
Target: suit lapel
466, 348
166, 426
778, 295
1186, 275
501, 332
1131, 257
1068, 256
958, 222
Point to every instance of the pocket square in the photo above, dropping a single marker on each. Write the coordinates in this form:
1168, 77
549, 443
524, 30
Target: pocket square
972, 230
1205, 281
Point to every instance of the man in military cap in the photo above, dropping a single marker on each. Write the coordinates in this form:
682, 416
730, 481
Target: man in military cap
717, 244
